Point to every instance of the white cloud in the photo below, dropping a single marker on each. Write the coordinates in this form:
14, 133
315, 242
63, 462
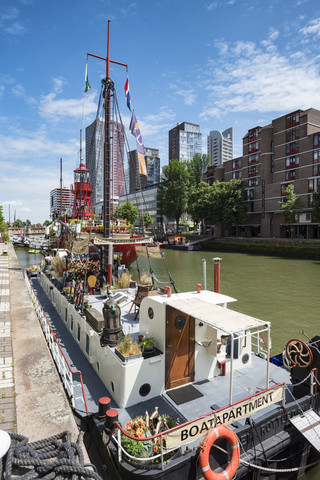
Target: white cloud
188, 95
250, 78
53, 108
313, 28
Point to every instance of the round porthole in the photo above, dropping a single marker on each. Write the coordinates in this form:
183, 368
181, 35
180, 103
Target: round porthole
180, 322
145, 389
245, 358
150, 312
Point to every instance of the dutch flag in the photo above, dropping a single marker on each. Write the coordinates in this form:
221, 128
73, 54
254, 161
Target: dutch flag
127, 94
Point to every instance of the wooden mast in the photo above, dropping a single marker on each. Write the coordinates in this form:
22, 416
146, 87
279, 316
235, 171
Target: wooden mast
107, 144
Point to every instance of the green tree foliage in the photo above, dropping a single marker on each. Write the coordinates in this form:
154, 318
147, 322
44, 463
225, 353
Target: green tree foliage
147, 220
290, 207
228, 203
3, 226
173, 190
18, 223
196, 168
46, 223
316, 204
200, 202
128, 212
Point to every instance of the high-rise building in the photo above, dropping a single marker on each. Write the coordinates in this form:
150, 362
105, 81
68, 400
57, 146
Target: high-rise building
95, 158
220, 146
185, 141
61, 200
138, 181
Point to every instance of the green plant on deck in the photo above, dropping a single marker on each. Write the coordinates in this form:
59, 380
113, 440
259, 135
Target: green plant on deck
128, 346
145, 279
58, 266
147, 342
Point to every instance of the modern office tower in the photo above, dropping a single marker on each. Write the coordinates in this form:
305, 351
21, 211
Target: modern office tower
220, 146
61, 200
95, 158
185, 141
138, 181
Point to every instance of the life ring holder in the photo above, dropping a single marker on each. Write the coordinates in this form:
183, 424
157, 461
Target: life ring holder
219, 432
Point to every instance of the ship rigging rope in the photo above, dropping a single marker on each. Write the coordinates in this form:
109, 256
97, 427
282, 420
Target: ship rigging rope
247, 463
54, 457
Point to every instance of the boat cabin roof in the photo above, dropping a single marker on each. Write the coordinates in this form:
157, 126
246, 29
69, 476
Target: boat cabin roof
207, 307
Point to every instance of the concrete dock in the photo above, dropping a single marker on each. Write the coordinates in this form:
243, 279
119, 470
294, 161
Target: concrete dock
32, 400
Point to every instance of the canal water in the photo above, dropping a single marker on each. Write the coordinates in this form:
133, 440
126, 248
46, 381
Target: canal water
284, 291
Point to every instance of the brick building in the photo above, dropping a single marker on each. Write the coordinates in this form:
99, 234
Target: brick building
286, 151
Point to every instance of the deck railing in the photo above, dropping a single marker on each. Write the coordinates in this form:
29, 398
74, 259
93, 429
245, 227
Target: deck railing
66, 373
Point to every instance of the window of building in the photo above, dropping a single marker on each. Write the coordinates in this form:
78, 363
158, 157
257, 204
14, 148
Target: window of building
252, 182
253, 159
292, 148
292, 162
253, 134
236, 163
236, 174
316, 169
293, 119
252, 171
316, 140
253, 147
292, 135
291, 175
250, 193
316, 156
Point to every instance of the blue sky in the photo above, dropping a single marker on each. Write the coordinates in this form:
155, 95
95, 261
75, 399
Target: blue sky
217, 63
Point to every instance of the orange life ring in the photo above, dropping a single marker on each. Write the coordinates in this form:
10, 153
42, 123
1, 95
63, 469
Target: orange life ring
219, 432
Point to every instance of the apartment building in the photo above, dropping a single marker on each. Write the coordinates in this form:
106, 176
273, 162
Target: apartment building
285, 152
185, 141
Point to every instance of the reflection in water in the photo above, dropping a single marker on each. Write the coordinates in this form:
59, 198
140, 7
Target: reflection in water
282, 291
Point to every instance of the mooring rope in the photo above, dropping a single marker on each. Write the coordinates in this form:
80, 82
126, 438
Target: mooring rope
53, 458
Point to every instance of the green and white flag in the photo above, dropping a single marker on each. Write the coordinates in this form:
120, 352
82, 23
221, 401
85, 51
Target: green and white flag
86, 82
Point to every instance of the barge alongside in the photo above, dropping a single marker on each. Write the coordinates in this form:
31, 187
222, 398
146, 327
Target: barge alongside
210, 371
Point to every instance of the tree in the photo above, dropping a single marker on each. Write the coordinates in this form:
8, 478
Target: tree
147, 220
290, 207
46, 223
196, 168
200, 202
316, 204
128, 212
228, 204
18, 223
173, 190
3, 227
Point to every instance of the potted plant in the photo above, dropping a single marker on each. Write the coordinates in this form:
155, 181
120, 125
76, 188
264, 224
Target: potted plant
127, 348
147, 344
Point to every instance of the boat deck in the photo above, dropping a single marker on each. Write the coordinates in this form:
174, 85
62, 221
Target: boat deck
185, 403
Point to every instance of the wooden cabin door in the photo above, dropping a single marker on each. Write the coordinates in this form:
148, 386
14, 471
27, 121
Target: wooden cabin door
180, 330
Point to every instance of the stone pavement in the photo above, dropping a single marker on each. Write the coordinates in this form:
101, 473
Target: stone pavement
32, 400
